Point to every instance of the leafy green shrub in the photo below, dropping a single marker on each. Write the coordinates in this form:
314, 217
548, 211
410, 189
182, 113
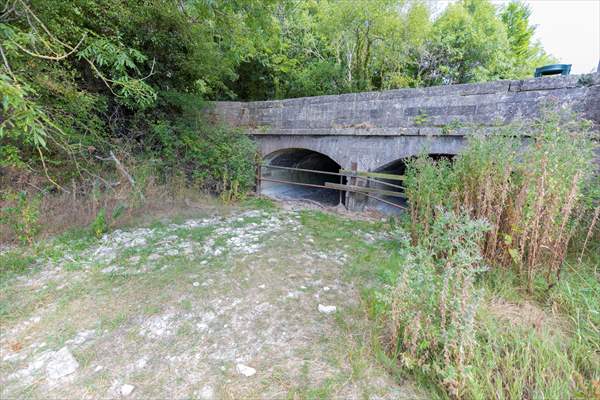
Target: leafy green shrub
218, 159
99, 225
103, 220
21, 214
431, 308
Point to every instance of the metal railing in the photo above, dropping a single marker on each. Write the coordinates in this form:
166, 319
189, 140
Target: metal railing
352, 187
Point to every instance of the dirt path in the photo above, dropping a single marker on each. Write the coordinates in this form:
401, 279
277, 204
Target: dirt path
222, 306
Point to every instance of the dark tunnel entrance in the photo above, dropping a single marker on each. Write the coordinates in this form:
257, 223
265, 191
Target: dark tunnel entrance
397, 167
303, 159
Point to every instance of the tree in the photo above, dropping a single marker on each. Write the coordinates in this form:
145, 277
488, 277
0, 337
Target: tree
468, 44
526, 54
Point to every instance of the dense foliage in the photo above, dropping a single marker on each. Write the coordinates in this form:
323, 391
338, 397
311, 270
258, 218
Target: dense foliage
496, 235
81, 77
535, 199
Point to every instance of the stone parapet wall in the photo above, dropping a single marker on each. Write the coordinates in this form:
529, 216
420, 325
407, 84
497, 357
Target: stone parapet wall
439, 110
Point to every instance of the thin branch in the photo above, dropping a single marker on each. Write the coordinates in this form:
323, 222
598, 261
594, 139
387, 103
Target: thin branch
122, 169
42, 25
45, 57
46, 171
101, 76
151, 70
6, 64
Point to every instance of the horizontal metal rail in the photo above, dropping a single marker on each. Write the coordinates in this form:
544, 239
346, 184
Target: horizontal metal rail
302, 170
345, 189
296, 183
343, 173
363, 189
369, 174
380, 182
385, 201
366, 176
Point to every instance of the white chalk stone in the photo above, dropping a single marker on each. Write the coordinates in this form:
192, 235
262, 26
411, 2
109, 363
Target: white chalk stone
327, 309
127, 389
62, 363
245, 370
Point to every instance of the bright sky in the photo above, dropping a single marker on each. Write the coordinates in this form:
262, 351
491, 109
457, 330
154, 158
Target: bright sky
568, 29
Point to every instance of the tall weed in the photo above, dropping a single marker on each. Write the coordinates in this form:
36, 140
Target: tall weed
432, 307
427, 184
446, 325
532, 194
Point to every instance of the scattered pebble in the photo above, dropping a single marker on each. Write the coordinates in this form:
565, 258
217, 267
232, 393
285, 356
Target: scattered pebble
62, 363
109, 269
82, 337
202, 326
327, 309
141, 363
245, 370
98, 368
127, 389
207, 393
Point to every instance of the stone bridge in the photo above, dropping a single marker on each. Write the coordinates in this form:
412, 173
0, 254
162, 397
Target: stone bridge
378, 130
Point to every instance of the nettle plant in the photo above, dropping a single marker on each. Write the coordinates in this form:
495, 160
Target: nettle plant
439, 275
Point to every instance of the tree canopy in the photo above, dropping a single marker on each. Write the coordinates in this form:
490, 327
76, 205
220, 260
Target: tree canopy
78, 75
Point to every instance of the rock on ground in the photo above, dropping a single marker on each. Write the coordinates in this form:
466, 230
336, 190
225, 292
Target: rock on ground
62, 363
327, 309
245, 370
127, 389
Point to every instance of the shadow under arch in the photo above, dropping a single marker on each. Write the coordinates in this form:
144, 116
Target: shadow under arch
398, 167
304, 159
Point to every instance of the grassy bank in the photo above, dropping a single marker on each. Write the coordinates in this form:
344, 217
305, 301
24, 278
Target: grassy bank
524, 345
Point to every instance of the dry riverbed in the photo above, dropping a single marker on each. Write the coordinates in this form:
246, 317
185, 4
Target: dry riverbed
257, 302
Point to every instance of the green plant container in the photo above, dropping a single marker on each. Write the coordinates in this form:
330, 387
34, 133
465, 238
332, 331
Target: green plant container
553, 69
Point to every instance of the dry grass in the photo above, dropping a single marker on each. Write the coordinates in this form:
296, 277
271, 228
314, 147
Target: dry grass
536, 198
77, 205
525, 315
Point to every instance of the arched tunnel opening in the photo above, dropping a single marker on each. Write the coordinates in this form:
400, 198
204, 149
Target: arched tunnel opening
397, 167
306, 160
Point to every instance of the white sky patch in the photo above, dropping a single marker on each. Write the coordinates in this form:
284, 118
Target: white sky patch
567, 29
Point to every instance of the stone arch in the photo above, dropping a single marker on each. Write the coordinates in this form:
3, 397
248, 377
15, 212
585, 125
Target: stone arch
397, 167
305, 159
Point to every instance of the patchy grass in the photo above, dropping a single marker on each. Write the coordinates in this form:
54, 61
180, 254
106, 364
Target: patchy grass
14, 262
174, 304
171, 306
540, 345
